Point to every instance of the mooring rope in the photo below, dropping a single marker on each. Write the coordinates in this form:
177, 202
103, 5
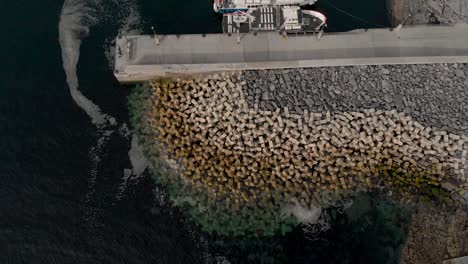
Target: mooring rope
351, 15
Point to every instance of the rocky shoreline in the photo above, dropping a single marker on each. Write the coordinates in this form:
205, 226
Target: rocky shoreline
436, 234
264, 139
427, 11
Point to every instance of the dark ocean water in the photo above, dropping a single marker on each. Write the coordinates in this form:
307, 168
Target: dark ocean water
53, 211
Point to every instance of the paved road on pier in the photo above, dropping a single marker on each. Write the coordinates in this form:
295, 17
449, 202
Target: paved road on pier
140, 59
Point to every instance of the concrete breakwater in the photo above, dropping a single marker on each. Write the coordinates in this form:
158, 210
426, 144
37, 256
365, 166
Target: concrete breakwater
231, 143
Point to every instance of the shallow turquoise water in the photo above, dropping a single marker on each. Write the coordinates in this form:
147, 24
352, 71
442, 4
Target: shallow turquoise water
51, 211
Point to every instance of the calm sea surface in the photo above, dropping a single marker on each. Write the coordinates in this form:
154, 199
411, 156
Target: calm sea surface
62, 202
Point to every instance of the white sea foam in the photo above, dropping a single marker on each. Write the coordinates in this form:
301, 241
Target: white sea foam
76, 18
304, 215
75, 21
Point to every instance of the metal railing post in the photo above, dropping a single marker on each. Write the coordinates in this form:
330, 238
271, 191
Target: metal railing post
156, 40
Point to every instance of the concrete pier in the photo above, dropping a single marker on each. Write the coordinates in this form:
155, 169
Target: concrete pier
139, 58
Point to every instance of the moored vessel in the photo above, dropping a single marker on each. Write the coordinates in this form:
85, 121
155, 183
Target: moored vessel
232, 6
246, 16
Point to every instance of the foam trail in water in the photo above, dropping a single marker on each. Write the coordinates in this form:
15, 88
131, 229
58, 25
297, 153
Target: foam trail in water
75, 20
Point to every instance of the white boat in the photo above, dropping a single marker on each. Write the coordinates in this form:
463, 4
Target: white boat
232, 6
282, 18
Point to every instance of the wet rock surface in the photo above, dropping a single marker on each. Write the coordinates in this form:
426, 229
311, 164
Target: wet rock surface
436, 234
434, 95
428, 11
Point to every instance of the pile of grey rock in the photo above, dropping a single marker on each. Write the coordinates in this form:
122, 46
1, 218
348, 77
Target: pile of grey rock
435, 95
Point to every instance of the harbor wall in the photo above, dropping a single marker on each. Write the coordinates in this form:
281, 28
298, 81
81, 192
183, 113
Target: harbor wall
141, 59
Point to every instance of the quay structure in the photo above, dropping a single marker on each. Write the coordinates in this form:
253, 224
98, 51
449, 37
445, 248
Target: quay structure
145, 57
